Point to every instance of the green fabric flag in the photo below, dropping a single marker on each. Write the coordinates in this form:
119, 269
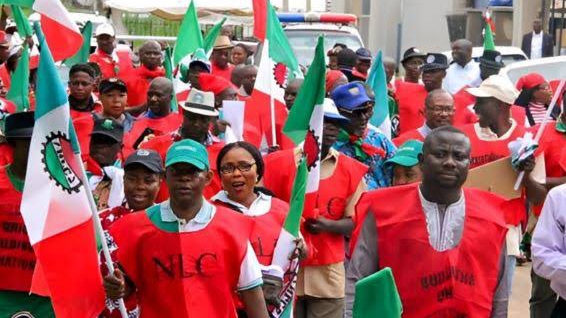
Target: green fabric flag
22, 23
279, 48
377, 296
84, 52
293, 220
190, 37
212, 35
19, 90
299, 118
168, 65
488, 42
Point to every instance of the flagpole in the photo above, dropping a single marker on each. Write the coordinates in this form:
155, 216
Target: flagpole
542, 126
272, 104
99, 230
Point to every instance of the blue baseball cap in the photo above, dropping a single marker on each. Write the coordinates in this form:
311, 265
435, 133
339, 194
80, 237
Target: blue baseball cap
351, 96
363, 54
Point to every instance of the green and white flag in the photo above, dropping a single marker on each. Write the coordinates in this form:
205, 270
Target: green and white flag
190, 36
304, 126
19, 90
212, 35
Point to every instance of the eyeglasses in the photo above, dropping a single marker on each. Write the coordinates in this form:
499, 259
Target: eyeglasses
242, 167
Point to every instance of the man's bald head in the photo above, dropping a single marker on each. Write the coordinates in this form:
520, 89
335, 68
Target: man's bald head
150, 54
445, 159
237, 75
162, 84
439, 108
159, 96
248, 78
291, 91
462, 51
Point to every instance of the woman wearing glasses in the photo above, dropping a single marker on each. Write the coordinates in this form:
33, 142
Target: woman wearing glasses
240, 167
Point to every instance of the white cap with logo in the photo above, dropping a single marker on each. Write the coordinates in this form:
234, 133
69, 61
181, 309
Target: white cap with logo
496, 86
105, 28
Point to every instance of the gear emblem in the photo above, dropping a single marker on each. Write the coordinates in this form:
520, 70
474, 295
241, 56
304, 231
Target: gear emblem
311, 149
59, 162
280, 74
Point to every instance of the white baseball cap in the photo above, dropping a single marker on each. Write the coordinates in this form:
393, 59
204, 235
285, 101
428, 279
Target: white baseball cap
496, 86
331, 112
105, 28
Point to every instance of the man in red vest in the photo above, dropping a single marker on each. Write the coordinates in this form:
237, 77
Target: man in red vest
320, 283
220, 58
158, 119
150, 68
18, 257
113, 63
198, 115
411, 96
185, 257
439, 111
450, 259
489, 140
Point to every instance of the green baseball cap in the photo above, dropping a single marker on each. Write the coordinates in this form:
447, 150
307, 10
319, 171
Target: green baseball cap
408, 154
188, 151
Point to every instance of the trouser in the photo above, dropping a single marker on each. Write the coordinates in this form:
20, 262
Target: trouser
511, 266
560, 309
312, 307
543, 298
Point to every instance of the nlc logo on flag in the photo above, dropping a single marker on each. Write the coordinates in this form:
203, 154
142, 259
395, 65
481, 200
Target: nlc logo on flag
59, 162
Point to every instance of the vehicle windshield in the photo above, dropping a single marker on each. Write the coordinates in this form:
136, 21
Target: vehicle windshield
303, 42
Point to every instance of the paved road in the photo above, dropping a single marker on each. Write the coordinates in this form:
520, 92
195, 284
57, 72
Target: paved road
519, 304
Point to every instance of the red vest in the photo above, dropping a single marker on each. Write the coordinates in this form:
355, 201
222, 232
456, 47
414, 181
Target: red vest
108, 67
5, 76
328, 248
412, 134
484, 152
160, 126
267, 228
411, 98
17, 259
191, 274
552, 143
463, 115
460, 282
162, 143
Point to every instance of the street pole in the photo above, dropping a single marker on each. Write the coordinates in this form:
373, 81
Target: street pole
561, 27
285, 5
309, 5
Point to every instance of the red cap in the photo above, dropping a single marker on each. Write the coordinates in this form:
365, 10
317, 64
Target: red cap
331, 77
530, 80
213, 83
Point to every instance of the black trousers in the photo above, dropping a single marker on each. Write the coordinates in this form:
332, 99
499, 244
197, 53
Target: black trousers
560, 309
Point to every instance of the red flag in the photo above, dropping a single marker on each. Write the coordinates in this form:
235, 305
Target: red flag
260, 18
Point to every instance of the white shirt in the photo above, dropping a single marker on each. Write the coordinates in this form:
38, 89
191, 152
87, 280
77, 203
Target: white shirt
444, 224
457, 77
549, 241
536, 46
260, 206
250, 269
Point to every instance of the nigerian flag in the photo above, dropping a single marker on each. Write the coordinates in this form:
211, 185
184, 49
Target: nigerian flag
55, 205
378, 82
304, 125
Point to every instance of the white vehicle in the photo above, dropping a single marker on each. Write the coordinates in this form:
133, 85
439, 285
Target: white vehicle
509, 54
552, 68
303, 30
